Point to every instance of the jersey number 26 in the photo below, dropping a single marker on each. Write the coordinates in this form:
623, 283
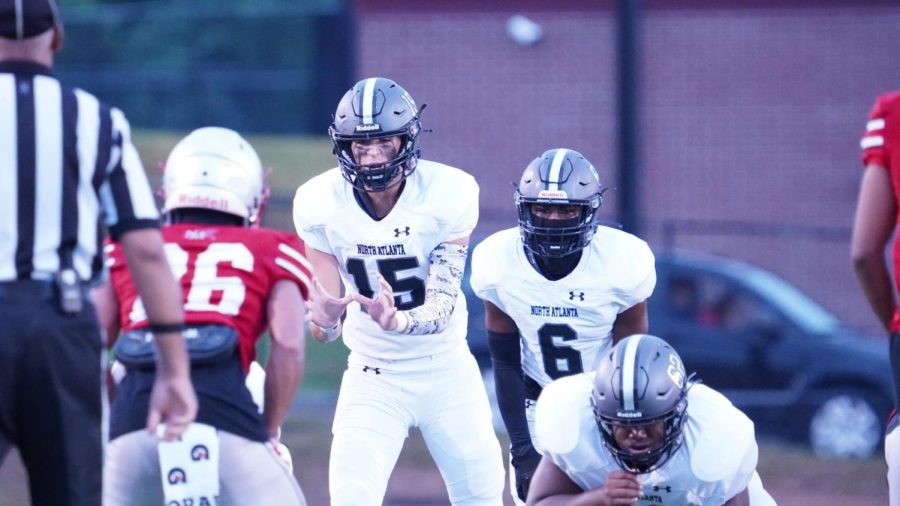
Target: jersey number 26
205, 281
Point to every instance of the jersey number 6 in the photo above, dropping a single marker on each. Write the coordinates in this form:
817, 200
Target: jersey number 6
559, 360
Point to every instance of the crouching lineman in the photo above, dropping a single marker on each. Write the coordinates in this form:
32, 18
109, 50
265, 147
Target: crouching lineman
236, 280
640, 432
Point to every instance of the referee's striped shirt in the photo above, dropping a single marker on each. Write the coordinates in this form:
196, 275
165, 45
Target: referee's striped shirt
67, 164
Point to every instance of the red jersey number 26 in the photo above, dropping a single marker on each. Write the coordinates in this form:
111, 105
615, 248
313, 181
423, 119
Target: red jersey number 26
208, 291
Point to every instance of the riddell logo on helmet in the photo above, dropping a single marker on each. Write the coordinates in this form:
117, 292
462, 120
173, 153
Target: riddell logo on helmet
629, 414
547, 194
371, 127
202, 201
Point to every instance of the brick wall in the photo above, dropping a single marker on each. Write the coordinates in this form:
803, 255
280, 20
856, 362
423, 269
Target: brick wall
748, 113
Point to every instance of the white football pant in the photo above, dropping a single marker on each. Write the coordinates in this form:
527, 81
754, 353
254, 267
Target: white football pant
892, 457
443, 395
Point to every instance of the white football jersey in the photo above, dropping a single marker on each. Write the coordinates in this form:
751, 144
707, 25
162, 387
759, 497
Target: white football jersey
438, 204
565, 325
716, 461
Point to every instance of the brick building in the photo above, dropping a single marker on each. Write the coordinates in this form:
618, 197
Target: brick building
751, 113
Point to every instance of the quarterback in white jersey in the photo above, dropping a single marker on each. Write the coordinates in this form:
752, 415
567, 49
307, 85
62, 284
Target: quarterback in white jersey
389, 233
558, 290
397, 247
639, 432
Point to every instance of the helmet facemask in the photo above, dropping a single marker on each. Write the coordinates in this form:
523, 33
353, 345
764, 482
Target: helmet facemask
377, 177
554, 238
654, 458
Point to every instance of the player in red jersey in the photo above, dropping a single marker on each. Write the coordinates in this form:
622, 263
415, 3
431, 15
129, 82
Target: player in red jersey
876, 220
237, 280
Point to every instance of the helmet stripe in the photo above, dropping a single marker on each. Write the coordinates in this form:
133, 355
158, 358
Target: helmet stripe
628, 372
555, 169
368, 100
20, 20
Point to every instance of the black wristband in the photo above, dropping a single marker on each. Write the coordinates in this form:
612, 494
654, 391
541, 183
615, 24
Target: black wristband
162, 328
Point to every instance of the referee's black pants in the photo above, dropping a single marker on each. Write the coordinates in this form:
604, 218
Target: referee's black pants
50, 406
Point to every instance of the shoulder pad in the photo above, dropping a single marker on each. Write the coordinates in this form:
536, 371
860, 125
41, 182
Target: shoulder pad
564, 413
719, 436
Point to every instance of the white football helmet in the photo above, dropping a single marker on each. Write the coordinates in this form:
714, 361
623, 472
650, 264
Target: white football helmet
215, 168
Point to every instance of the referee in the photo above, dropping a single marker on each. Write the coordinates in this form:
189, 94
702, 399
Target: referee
66, 160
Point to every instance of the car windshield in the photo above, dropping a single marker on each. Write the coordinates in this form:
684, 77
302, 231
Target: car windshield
799, 308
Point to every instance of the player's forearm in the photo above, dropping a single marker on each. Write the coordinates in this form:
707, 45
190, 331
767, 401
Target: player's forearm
106, 305
161, 296
445, 272
509, 385
875, 280
284, 372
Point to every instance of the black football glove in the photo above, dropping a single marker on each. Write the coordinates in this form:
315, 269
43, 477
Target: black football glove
525, 461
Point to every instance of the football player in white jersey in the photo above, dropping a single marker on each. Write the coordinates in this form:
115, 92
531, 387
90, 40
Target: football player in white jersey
557, 290
639, 431
392, 231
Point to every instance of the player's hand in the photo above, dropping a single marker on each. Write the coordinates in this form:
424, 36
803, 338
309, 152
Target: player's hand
381, 306
323, 309
525, 462
281, 451
174, 402
621, 489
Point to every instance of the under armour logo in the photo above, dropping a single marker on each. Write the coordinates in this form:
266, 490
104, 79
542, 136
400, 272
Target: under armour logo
573, 295
367, 369
667, 488
397, 232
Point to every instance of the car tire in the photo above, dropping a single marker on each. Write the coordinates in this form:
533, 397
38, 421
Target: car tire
847, 423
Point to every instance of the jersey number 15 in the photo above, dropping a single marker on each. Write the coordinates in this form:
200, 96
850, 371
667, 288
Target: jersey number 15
389, 267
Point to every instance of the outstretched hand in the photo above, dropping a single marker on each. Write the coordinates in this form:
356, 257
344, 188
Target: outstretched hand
323, 309
381, 306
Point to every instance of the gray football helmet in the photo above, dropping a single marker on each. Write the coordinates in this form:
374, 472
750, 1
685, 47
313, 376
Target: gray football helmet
641, 381
558, 177
375, 108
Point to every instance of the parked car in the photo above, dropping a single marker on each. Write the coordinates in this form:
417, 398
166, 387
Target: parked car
792, 366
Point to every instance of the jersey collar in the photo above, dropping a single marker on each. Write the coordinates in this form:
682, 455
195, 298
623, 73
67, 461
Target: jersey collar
24, 67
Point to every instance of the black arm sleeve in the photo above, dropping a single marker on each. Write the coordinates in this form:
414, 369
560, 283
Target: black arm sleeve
510, 386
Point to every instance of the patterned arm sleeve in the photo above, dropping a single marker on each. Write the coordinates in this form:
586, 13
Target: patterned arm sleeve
445, 274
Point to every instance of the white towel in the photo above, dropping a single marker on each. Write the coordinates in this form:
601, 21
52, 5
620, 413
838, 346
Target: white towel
190, 466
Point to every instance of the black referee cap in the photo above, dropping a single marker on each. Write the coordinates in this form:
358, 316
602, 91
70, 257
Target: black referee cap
21, 19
